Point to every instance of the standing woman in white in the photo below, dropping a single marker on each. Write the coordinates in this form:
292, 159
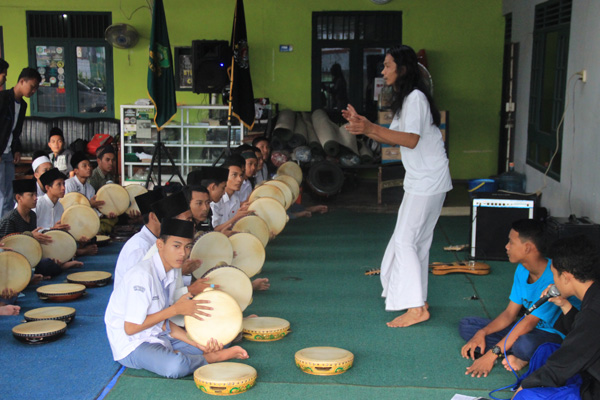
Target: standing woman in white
405, 265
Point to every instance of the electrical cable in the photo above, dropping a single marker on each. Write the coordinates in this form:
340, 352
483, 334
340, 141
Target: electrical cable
516, 384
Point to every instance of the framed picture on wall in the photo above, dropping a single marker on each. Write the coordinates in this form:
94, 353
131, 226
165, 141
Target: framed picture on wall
183, 68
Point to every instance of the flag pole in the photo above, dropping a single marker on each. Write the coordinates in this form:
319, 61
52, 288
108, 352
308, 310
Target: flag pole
232, 69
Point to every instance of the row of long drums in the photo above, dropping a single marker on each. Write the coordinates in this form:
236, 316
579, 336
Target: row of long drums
46, 324
230, 263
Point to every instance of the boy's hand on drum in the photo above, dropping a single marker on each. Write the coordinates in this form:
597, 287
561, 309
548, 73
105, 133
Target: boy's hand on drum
62, 227
199, 286
190, 266
211, 346
40, 237
186, 305
96, 203
7, 293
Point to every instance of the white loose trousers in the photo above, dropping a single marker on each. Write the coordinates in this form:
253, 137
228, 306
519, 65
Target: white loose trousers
405, 265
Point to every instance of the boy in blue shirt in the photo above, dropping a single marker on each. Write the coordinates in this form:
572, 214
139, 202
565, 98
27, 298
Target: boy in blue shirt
533, 275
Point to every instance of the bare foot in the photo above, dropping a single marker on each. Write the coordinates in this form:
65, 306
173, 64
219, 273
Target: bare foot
72, 264
88, 250
516, 363
321, 209
251, 316
261, 284
10, 310
36, 278
227, 354
411, 317
301, 214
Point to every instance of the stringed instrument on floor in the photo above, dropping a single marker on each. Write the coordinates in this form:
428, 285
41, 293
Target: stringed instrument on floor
441, 268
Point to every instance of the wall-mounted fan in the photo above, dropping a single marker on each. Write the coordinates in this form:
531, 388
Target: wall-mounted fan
121, 36
426, 77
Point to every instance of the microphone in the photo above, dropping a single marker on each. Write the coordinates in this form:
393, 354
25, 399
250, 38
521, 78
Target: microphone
552, 292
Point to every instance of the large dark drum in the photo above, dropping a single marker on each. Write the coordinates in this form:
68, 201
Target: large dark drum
325, 178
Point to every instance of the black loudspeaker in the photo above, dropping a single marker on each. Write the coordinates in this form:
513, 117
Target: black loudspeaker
210, 60
492, 217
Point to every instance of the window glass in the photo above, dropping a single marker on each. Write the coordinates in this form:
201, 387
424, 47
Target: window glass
91, 79
335, 70
51, 95
548, 82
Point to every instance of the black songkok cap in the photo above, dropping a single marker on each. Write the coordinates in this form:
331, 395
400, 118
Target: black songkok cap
78, 157
105, 149
216, 174
177, 227
24, 186
171, 206
56, 131
50, 176
145, 201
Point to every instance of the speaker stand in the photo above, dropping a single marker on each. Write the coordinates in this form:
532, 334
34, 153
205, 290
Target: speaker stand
159, 148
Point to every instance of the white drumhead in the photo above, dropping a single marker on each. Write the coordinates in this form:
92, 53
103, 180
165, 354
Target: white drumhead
39, 327
73, 198
89, 277
61, 288
224, 323
324, 354
49, 313
24, 245
248, 253
265, 324
232, 281
82, 221
62, 248
15, 271
292, 169
255, 225
285, 189
225, 372
133, 191
272, 212
267, 191
212, 248
291, 182
115, 198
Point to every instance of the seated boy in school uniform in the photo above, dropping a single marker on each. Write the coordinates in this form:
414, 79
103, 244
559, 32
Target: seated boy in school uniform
59, 156
214, 180
137, 317
82, 170
40, 164
230, 208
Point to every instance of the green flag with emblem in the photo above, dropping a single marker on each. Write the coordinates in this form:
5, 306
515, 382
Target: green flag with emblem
161, 81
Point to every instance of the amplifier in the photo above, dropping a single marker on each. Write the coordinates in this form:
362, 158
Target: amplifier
491, 221
558, 228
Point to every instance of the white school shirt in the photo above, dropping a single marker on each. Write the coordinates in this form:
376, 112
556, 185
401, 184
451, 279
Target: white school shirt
225, 209
74, 185
133, 252
48, 213
262, 174
426, 165
245, 190
146, 289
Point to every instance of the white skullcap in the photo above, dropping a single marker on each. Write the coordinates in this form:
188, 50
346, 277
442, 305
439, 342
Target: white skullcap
39, 161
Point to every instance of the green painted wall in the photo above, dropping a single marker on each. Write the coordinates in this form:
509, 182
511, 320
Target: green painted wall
463, 39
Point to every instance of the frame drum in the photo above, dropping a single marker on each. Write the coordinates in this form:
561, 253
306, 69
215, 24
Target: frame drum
73, 198
15, 271
102, 240
224, 323
265, 329
25, 245
248, 253
62, 248
291, 182
90, 279
285, 189
115, 198
82, 221
225, 378
254, 225
212, 248
38, 332
292, 169
65, 314
134, 190
232, 281
270, 191
324, 360
61, 292
272, 212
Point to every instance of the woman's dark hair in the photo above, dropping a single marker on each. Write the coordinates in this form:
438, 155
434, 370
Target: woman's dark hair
405, 56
